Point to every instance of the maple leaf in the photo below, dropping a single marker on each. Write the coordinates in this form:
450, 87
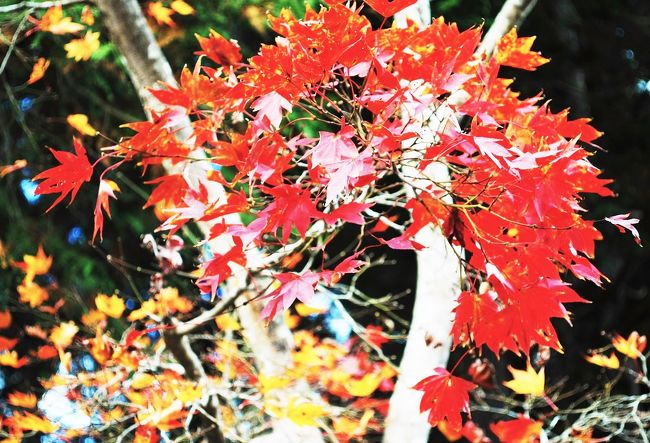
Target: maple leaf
515, 52
26, 421
292, 286
10, 358
445, 397
80, 123
182, 7
5, 319
623, 222
38, 70
112, 306
62, 334
520, 430
107, 188
87, 16
527, 381
33, 265
82, 48
270, 107
389, 8
54, 22
32, 293
292, 206
7, 344
632, 347
611, 362
161, 13
219, 49
66, 178
22, 400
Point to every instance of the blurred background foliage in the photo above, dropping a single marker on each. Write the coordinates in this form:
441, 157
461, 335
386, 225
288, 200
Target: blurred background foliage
600, 68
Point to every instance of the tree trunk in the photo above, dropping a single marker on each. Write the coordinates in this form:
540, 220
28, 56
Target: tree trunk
439, 272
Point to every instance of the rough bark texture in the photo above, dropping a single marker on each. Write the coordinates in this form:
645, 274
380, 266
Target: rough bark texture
147, 66
439, 273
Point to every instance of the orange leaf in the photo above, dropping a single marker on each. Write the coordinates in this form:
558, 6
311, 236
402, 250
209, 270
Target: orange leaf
520, 430
8, 169
633, 346
604, 361
87, 16
54, 22
26, 421
515, 52
38, 71
7, 344
161, 14
22, 400
5, 319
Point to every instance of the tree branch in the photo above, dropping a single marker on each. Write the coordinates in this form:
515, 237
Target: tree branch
512, 13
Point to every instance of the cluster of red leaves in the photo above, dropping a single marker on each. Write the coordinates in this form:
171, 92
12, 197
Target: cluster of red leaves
518, 170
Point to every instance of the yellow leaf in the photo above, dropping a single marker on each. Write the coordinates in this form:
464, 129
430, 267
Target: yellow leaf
30, 292
142, 380
54, 22
33, 265
365, 386
227, 322
62, 335
82, 48
11, 359
611, 362
22, 400
269, 383
148, 307
112, 306
633, 346
38, 71
526, 382
80, 123
182, 8
161, 14
304, 310
305, 414
30, 422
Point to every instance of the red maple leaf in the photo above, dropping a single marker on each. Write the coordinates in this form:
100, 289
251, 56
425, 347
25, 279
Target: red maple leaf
66, 178
292, 207
389, 8
445, 397
107, 189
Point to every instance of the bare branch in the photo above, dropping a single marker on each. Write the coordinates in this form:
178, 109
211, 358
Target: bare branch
37, 5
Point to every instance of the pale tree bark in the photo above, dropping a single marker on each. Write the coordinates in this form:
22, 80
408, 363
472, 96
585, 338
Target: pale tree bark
439, 272
271, 347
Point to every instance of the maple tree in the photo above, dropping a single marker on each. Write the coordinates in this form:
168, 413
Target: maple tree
335, 125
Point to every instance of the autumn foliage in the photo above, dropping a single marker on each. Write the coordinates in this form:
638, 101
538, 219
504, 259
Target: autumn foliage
335, 124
